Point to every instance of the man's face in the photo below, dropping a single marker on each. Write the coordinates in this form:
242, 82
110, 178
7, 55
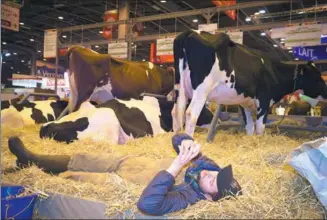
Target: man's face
208, 182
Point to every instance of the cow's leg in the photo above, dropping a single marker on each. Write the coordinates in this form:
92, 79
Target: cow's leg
180, 108
247, 116
262, 108
194, 109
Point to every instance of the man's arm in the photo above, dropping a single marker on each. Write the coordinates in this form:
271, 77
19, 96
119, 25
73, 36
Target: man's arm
157, 198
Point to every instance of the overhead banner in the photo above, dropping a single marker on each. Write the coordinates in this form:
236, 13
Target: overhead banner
50, 43
311, 53
211, 28
109, 16
306, 34
10, 17
229, 13
303, 35
118, 50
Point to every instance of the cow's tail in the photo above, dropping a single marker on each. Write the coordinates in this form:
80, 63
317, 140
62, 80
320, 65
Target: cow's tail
179, 52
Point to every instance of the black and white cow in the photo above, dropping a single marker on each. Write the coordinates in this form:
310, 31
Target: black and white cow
117, 121
31, 112
214, 68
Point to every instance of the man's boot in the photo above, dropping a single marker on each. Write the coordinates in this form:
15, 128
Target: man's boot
49, 163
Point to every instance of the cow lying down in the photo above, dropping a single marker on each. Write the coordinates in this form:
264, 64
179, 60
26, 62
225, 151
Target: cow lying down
117, 121
29, 113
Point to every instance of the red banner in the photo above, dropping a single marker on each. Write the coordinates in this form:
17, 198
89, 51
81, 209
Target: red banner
111, 15
229, 13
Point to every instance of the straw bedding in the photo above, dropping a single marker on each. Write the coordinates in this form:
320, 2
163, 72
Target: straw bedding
271, 188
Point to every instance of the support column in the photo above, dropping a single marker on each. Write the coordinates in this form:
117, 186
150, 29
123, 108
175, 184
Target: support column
33, 64
125, 30
123, 14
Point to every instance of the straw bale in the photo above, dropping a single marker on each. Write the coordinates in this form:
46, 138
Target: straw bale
271, 188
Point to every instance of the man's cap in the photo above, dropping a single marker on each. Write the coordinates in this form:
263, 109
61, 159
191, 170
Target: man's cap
177, 140
226, 184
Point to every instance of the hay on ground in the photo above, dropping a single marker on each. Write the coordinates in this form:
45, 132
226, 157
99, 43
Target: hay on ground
271, 189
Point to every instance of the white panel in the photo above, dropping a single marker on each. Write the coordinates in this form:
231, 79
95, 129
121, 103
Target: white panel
165, 46
10, 17
118, 50
50, 43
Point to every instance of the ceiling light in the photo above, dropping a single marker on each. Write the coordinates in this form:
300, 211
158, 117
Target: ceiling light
64, 36
23, 61
195, 20
3, 62
161, 65
21, 23
290, 51
4, 43
163, 1
7, 54
18, 72
248, 19
257, 13
96, 46
275, 45
32, 39
60, 18
263, 34
100, 32
143, 60
39, 51
296, 59
11, 67
15, 53
144, 26
282, 39
300, 12
44, 59
262, 11
289, 48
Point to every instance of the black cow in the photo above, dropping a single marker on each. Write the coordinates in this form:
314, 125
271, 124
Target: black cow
117, 121
214, 68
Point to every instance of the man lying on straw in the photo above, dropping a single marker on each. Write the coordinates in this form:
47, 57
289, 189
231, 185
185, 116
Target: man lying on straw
203, 179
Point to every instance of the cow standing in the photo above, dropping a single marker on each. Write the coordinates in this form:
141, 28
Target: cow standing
30, 112
117, 121
100, 77
214, 68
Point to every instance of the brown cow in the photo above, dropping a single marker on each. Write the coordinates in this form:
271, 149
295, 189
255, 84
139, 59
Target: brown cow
100, 77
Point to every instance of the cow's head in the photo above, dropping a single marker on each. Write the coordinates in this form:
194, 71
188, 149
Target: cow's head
87, 70
312, 83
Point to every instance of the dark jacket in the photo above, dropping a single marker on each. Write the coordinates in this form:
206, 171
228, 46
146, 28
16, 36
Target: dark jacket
161, 196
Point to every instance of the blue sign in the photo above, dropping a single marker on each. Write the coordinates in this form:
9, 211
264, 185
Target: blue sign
311, 52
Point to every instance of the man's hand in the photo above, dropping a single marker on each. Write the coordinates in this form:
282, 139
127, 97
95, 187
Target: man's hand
187, 151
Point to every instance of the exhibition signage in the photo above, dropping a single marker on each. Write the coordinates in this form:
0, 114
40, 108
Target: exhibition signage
44, 69
311, 52
164, 50
10, 17
306, 34
303, 35
211, 28
50, 43
165, 46
118, 50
